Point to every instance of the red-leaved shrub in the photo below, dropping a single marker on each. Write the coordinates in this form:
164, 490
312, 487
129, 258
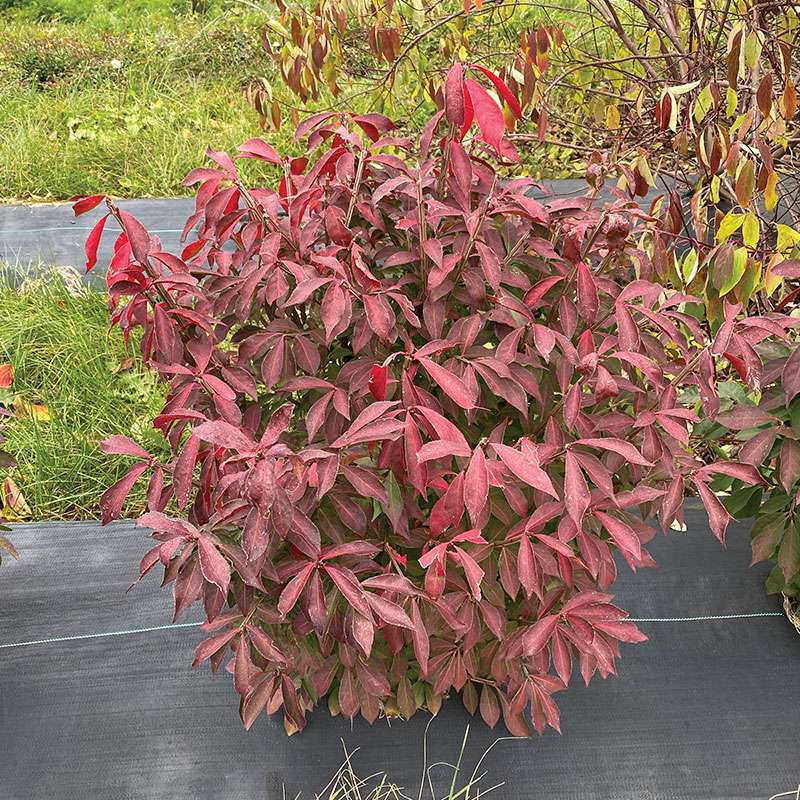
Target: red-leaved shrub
414, 413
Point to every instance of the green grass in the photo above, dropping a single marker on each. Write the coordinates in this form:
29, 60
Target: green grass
65, 356
124, 101
124, 97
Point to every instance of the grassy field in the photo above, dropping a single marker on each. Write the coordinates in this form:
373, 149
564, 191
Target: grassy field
74, 384
124, 97
120, 97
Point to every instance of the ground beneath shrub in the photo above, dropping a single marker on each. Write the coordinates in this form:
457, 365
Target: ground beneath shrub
706, 709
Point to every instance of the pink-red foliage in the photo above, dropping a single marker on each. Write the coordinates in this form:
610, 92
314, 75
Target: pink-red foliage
414, 413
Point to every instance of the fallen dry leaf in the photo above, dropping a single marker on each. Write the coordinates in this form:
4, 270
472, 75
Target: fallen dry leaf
38, 411
14, 505
125, 364
9, 548
6, 375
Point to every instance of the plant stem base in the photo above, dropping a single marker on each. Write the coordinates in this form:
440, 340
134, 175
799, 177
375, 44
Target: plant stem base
791, 605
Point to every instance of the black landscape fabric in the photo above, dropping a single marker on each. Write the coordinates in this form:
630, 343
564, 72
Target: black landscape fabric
50, 235
705, 709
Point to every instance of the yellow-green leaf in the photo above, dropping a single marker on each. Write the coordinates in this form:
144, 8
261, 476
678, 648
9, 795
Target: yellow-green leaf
731, 223
731, 102
644, 171
738, 266
770, 193
702, 104
751, 229
714, 188
689, 266
752, 49
788, 237
728, 268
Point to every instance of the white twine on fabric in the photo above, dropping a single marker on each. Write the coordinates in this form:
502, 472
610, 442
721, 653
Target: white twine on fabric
78, 637
155, 628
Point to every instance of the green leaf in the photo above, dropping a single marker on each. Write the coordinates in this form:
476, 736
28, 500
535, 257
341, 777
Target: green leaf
751, 279
775, 580
744, 502
766, 536
794, 414
789, 554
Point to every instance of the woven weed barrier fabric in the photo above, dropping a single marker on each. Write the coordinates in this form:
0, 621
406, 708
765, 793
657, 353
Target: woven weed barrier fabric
49, 233
706, 709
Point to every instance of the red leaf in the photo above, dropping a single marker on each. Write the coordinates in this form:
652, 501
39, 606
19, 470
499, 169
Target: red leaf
215, 568
223, 434
526, 566
620, 629
83, 204
791, 376
265, 645
488, 114
490, 264
348, 585
623, 535
113, 498
502, 90
124, 446
718, 516
625, 449
256, 701
472, 570
454, 95
746, 473
184, 470
525, 468
258, 148
742, 417
576, 492
789, 464
587, 293
389, 612
209, 647
377, 381
7, 376
138, 237
538, 635
476, 485
562, 657
489, 707
292, 591
420, 640
291, 705
451, 384
379, 315
93, 241
348, 699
